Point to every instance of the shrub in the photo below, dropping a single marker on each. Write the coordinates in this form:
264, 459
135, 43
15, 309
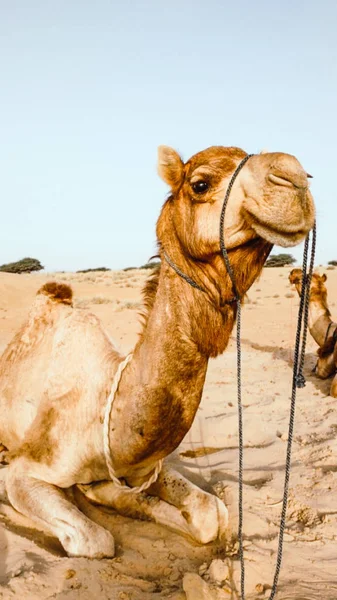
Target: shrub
333, 263
93, 270
25, 265
280, 260
150, 265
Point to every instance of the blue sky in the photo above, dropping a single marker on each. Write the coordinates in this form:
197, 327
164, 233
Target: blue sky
90, 89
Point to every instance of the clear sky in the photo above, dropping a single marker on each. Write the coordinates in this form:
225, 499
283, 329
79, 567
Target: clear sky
90, 89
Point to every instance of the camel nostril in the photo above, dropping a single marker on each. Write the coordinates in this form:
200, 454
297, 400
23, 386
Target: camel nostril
280, 180
288, 178
285, 170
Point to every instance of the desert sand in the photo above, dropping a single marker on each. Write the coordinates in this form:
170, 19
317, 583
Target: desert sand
151, 562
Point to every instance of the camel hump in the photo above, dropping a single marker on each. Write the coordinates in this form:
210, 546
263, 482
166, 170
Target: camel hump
60, 292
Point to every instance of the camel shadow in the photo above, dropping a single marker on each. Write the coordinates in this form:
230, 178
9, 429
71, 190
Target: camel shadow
286, 354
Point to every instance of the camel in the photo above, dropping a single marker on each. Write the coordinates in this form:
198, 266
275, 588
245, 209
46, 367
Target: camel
322, 328
57, 373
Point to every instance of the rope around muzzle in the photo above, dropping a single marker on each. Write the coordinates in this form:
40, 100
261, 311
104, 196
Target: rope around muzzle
106, 428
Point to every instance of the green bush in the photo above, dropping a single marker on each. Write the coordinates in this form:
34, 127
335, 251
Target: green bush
150, 265
333, 263
280, 260
25, 265
93, 270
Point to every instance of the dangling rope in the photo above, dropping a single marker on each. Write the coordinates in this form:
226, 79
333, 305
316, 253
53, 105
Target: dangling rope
238, 347
297, 382
306, 283
106, 444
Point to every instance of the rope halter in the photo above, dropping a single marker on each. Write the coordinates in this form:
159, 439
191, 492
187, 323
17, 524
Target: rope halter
106, 428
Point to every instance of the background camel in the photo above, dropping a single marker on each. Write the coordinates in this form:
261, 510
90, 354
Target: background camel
322, 328
57, 372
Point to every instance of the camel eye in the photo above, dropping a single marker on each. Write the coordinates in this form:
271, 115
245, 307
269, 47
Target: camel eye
200, 187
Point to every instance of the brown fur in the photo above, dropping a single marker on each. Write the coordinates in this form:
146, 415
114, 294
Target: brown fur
149, 294
247, 263
200, 332
318, 291
60, 292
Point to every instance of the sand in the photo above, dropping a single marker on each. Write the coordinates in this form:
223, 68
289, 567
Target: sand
151, 562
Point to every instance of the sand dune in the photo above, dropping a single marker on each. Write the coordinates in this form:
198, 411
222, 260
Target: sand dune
152, 562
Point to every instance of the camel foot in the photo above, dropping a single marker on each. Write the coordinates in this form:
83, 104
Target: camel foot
92, 542
206, 515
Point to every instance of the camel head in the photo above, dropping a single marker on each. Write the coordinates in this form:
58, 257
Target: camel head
270, 199
318, 291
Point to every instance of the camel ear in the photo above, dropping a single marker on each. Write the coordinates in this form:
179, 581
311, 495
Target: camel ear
324, 277
170, 166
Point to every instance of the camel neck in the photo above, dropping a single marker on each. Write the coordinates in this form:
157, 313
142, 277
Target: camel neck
161, 388
319, 321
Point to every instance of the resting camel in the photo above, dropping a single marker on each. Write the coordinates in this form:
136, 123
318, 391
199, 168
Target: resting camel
321, 326
58, 371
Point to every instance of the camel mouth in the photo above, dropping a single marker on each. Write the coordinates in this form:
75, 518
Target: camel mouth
276, 235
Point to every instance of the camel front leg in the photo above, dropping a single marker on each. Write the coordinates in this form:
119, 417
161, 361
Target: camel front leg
48, 505
172, 501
